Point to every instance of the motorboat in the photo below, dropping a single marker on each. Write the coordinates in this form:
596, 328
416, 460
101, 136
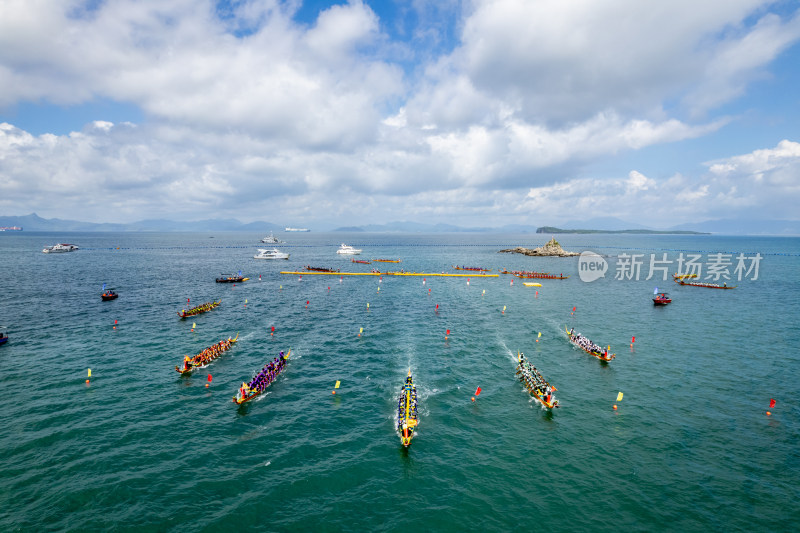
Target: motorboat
345, 249
60, 248
108, 295
271, 239
270, 254
662, 299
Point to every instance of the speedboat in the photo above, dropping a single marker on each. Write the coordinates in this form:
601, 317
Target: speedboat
60, 248
345, 249
662, 299
3, 338
271, 239
270, 254
110, 294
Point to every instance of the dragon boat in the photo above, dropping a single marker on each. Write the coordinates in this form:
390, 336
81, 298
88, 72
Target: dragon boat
537, 275
472, 269
262, 379
535, 382
407, 417
320, 269
231, 279
206, 356
706, 285
362, 261
194, 311
386, 260
677, 277
593, 349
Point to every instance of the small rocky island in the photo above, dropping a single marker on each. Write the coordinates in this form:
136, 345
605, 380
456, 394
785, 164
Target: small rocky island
551, 249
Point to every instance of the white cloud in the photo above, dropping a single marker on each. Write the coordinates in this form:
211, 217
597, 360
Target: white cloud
253, 109
565, 61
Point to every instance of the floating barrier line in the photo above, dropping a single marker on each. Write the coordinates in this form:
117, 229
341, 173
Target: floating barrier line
373, 245
426, 274
626, 248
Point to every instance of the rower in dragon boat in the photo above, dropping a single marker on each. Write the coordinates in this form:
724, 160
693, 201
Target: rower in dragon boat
261, 379
592, 348
407, 415
206, 356
535, 383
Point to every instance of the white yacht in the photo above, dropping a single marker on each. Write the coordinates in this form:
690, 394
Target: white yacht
60, 248
270, 254
271, 239
345, 249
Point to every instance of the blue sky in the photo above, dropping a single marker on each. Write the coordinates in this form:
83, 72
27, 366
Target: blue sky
325, 114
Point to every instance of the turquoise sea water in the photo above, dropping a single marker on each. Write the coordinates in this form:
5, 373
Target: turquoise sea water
690, 447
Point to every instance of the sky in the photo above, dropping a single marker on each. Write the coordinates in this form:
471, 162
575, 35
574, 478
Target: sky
478, 113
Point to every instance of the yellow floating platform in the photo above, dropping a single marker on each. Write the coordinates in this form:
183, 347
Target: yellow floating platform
425, 274
530, 284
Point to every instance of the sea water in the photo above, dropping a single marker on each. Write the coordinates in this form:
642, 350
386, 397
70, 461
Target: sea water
690, 446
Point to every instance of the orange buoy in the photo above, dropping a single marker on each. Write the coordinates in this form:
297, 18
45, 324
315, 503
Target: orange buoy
473, 398
615, 407
333, 392
768, 413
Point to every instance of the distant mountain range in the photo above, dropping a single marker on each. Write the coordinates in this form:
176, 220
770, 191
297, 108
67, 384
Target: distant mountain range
33, 222
552, 230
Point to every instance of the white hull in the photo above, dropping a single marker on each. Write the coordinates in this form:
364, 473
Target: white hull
271, 254
271, 239
348, 250
60, 249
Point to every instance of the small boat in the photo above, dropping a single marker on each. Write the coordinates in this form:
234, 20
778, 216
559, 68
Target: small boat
202, 308
270, 254
262, 379
588, 346
662, 299
60, 248
348, 250
271, 239
706, 285
531, 284
407, 416
231, 278
3, 338
472, 269
537, 275
535, 382
320, 269
206, 356
386, 260
110, 294
360, 261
